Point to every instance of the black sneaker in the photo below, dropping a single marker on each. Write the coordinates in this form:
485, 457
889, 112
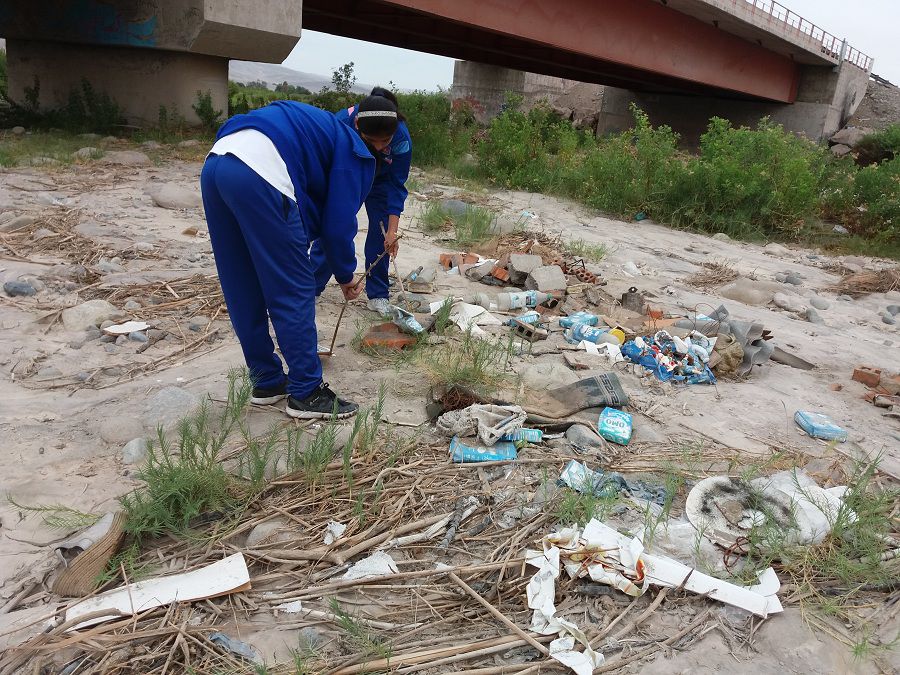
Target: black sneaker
269, 395
321, 404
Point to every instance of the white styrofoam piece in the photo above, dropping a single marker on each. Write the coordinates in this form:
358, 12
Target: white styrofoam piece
224, 576
126, 328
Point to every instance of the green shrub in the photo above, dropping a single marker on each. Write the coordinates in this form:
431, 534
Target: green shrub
441, 131
210, 118
2, 74
877, 190
879, 146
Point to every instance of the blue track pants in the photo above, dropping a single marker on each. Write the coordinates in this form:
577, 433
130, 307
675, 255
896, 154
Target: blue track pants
261, 249
377, 284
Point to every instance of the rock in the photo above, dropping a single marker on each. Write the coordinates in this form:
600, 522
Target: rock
151, 145
76, 344
174, 196
850, 136
143, 247
137, 336
36, 283
813, 316
841, 150
546, 278
69, 272
721, 236
190, 143
793, 279
521, 265
788, 303
888, 318
127, 158
121, 340
117, 430
90, 313
840, 229
819, 303
17, 223
107, 338
132, 305
106, 324
156, 334
749, 292
894, 310
168, 406
198, 323
845, 298
454, 207
86, 153
776, 249
41, 233
135, 451
92, 334
270, 531
82, 376
631, 269
194, 257
584, 438
48, 373
780, 277
109, 267
18, 288
18, 131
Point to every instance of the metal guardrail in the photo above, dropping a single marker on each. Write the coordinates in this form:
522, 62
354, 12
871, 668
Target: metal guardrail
793, 25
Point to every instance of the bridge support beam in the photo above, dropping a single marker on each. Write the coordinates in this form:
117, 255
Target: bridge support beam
826, 98
142, 53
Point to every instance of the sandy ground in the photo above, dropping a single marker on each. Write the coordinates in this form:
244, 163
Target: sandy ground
62, 441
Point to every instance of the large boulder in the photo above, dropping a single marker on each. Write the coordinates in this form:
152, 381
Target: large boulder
90, 313
850, 136
174, 196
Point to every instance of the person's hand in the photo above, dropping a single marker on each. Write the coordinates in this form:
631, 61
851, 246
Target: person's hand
391, 244
351, 290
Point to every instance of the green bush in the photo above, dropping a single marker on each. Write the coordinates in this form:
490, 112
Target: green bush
877, 191
85, 110
441, 132
2, 74
748, 182
881, 145
210, 118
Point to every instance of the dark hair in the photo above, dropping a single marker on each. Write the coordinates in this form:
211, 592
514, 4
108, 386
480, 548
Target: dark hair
371, 123
390, 96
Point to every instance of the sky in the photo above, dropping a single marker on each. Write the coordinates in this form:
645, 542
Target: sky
869, 25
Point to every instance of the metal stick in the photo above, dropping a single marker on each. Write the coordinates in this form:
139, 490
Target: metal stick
346, 302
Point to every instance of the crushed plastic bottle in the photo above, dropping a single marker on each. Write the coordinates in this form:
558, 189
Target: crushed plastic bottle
598, 336
508, 301
820, 426
529, 435
462, 453
584, 318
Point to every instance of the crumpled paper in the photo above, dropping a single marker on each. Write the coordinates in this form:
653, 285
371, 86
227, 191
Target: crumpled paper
376, 565
490, 422
333, 531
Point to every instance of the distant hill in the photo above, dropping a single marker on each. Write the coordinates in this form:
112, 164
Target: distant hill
250, 71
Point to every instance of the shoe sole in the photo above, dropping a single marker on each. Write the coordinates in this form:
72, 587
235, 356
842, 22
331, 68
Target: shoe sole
267, 400
312, 415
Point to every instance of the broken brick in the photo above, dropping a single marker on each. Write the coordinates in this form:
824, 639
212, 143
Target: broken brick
500, 273
387, 336
868, 376
836, 387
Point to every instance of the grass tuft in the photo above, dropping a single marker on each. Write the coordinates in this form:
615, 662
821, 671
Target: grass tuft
473, 226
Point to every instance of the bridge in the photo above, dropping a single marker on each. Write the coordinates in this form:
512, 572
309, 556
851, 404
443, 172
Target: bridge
147, 53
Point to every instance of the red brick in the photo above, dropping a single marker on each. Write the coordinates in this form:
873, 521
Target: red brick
500, 273
387, 336
654, 312
870, 377
836, 387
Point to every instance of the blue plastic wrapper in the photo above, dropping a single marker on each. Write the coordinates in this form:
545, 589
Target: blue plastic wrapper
528, 317
462, 453
818, 425
530, 435
615, 425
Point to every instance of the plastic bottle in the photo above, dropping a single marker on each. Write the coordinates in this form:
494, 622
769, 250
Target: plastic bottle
578, 317
507, 301
580, 332
528, 317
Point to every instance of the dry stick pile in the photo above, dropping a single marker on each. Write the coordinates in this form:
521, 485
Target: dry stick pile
431, 614
714, 275
864, 283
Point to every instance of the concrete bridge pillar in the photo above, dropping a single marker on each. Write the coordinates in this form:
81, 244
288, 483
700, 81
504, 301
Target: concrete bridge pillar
142, 53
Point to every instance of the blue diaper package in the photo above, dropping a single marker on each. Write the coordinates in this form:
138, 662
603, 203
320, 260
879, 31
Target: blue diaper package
615, 425
501, 450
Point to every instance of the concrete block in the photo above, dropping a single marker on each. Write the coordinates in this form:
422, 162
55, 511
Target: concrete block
546, 278
521, 265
